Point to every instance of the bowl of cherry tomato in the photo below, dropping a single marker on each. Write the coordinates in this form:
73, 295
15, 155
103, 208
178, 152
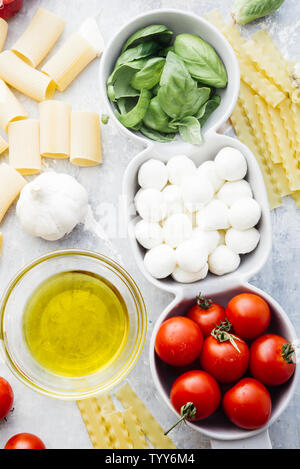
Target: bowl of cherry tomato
226, 366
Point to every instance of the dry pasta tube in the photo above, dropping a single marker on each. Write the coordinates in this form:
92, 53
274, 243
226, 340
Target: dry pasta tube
55, 129
3, 32
11, 184
74, 55
3, 145
40, 36
24, 146
10, 108
24, 78
85, 139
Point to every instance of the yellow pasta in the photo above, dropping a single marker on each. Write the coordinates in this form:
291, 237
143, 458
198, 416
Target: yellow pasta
295, 108
118, 431
1, 243
40, 36
266, 126
285, 111
73, 56
24, 78
215, 18
85, 139
3, 145
10, 108
3, 32
105, 404
296, 197
24, 146
55, 121
134, 429
150, 426
11, 184
95, 424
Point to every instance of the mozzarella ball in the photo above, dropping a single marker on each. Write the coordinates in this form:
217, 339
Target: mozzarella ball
173, 200
153, 175
149, 235
160, 261
244, 214
214, 216
186, 277
233, 191
242, 242
177, 229
150, 205
209, 239
223, 261
180, 167
191, 256
208, 171
196, 191
231, 164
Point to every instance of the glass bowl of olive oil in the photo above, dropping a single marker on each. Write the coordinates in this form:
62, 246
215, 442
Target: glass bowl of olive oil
73, 324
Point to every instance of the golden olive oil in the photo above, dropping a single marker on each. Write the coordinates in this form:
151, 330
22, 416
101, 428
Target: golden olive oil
75, 324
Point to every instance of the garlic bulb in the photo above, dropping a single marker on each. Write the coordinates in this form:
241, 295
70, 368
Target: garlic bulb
52, 205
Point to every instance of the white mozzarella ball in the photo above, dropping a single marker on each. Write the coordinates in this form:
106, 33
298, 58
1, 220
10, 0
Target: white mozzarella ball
173, 200
137, 195
208, 171
186, 277
223, 261
160, 261
242, 242
153, 175
176, 229
214, 216
244, 214
150, 205
209, 239
233, 191
196, 191
231, 164
180, 167
149, 235
191, 256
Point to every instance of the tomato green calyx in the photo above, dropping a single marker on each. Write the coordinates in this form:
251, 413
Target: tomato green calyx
188, 411
288, 353
222, 334
204, 303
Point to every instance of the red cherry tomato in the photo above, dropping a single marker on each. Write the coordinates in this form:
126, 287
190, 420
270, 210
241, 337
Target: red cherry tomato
207, 315
249, 315
248, 404
179, 341
6, 398
272, 360
10, 8
25, 441
224, 356
200, 389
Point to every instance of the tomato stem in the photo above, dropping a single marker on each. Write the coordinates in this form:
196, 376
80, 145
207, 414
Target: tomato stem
222, 334
204, 303
188, 411
288, 353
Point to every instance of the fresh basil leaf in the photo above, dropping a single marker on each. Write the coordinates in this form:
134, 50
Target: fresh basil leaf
111, 92
126, 105
136, 115
208, 108
201, 60
164, 52
155, 89
155, 32
145, 49
150, 75
134, 65
156, 119
190, 130
245, 11
157, 136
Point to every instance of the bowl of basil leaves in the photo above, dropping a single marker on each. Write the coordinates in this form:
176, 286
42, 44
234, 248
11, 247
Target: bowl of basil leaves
169, 76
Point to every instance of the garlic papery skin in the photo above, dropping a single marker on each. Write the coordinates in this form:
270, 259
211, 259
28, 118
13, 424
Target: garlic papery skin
52, 205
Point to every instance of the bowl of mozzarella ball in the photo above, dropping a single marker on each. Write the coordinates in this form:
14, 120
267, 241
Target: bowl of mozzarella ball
196, 220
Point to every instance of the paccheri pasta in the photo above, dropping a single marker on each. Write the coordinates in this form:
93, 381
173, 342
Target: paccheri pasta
55, 121
10, 108
85, 139
24, 146
3, 32
11, 184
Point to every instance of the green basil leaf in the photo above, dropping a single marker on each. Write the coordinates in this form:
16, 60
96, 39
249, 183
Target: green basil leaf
208, 108
245, 11
125, 105
164, 52
111, 92
150, 75
155, 89
118, 84
145, 49
157, 136
190, 130
156, 119
201, 60
136, 115
155, 32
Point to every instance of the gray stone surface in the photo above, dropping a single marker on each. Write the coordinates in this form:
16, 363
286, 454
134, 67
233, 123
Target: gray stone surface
59, 423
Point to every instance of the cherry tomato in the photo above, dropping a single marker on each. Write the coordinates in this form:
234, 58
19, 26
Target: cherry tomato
6, 398
249, 314
179, 341
206, 314
224, 356
272, 360
25, 441
197, 388
10, 8
248, 404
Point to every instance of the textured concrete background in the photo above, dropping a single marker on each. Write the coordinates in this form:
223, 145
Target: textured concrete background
58, 423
